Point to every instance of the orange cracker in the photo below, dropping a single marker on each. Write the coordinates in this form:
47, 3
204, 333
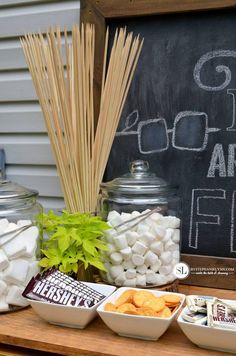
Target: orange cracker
146, 311
164, 313
110, 307
126, 297
140, 297
171, 299
157, 304
126, 308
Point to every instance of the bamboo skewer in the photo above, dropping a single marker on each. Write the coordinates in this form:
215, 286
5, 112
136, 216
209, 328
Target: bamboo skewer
66, 97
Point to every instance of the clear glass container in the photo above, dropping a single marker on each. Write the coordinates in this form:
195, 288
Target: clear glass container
20, 239
143, 251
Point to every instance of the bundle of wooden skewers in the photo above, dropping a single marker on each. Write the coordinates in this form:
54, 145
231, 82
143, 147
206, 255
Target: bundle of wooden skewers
65, 93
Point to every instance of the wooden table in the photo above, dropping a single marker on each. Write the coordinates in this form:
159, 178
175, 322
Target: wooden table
24, 329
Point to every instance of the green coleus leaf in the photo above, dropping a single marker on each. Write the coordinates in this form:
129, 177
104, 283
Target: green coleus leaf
63, 243
98, 264
44, 262
89, 247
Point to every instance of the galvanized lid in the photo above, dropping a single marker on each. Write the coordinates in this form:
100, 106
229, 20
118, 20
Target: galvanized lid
10, 192
138, 181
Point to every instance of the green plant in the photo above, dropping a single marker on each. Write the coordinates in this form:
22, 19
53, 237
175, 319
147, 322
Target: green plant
73, 240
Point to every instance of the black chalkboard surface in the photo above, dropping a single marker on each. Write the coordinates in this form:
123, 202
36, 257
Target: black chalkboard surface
180, 115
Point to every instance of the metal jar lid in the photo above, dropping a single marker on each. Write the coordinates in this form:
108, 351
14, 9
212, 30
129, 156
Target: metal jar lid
138, 181
10, 192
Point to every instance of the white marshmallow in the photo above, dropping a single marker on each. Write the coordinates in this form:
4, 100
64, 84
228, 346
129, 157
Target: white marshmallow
168, 235
138, 260
131, 237
146, 211
126, 253
157, 247
130, 273
146, 238
150, 258
120, 241
3, 224
116, 258
170, 221
139, 248
114, 218
128, 264
165, 269
115, 271
3, 287
176, 236
11, 227
16, 272
130, 283
125, 216
21, 223
4, 263
142, 269
174, 261
135, 214
155, 267
155, 217
166, 257
141, 280
160, 279
30, 237
170, 246
142, 228
107, 265
150, 277
32, 271
109, 235
14, 296
170, 278
109, 278
176, 255
3, 305
159, 232
15, 248
111, 248
120, 279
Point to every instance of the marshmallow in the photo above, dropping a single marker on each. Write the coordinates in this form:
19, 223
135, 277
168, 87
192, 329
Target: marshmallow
176, 254
30, 237
139, 248
130, 283
3, 305
171, 246
142, 269
126, 216
130, 273
170, 278
16, 272
116, 258
166, 257
141, 280
150, 277
115, 271
131, 237
142, 228
3, 287
114, 218
15, 248
120, 279
32, 271
120, 241
109, 235
176, 236
160, 279
111, 248
170, 221
155, 267
128, 264
168, 235
3, 260
21, 223
165, 269
135, 214
14, 296
150, 258
126, 253
155, 217
157, 247
159, 232
3, 224
109, 278
146, 238
138, 260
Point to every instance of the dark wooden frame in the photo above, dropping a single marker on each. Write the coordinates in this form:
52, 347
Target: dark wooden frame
98, 12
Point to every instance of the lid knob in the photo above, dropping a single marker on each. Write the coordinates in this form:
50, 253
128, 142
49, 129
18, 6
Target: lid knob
139, 166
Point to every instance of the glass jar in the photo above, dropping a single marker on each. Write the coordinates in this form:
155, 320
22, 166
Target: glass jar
19, 243
143, 242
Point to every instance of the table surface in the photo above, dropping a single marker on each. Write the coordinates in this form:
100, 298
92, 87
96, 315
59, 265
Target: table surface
25, 330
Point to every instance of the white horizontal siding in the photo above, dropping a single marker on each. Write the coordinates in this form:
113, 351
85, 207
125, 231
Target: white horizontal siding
21, 118
51, 203
19, 2
16, 21
16, 86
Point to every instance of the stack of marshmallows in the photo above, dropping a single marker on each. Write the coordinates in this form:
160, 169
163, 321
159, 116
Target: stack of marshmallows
18, 263
144, 254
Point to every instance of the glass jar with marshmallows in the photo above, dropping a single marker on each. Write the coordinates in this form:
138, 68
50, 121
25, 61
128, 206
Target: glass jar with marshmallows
143, 243
19, 243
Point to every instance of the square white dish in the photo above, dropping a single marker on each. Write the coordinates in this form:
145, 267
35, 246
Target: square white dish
73, 317
209, 338
136, 326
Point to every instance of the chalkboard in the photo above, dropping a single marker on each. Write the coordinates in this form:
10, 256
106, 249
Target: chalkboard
180, 115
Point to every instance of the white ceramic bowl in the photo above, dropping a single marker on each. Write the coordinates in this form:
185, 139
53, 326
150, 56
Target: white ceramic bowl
207, 337
73, 317
136, 326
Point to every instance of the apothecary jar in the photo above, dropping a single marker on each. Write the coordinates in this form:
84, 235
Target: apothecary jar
19, 243
143, 242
